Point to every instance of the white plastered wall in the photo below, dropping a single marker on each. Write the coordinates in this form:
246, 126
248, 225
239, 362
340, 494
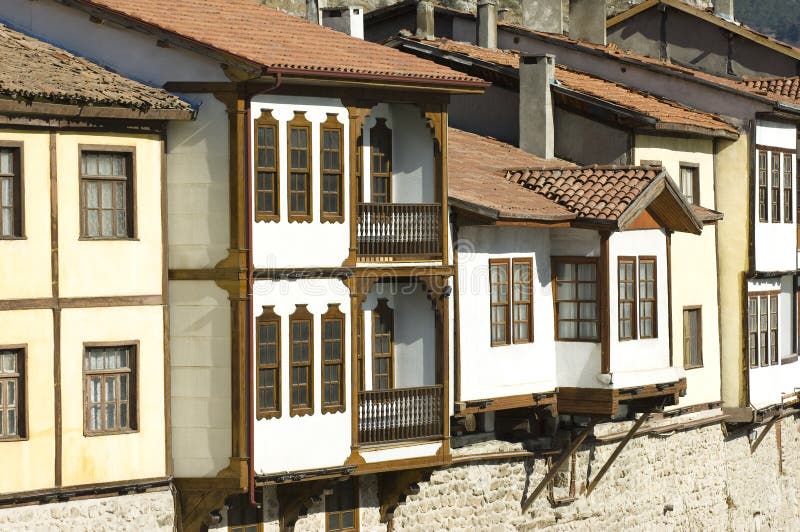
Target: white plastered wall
200, 347
513, 369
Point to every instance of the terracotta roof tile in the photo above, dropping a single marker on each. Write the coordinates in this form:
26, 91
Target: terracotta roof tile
665, 111
787, 89
33, 69
278, 41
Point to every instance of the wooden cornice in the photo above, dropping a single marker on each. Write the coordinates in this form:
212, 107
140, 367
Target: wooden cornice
17, 107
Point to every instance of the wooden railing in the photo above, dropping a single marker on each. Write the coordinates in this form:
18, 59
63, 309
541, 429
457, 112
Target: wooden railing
399, 230
400, 414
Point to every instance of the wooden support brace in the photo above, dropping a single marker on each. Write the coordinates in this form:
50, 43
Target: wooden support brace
763, 434
555, 468
628, 437
779, 443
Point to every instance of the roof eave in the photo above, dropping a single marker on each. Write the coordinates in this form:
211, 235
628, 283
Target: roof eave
61, 110
499, 216
690, 129
324, 77
662, 183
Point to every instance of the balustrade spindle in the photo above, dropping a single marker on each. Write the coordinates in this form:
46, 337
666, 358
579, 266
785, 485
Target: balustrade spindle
388, 231
400, 414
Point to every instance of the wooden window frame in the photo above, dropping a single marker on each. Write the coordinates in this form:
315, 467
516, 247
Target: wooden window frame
331, 124
687, 356
130, 189
774, 332
654, 300
242, 528
356, 509
267, 120
694, 168
634, 319
18, 190
380, 128
301, 313
269, 317
763, 337
334, 314
383, 311
753, 335
503, 304
763, 179
554, 262
360, 347
133, 387
788, 186
775, 186
300, 122
21, 376
529, 302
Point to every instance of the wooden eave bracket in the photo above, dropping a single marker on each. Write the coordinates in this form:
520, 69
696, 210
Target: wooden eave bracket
394, 487
294, 499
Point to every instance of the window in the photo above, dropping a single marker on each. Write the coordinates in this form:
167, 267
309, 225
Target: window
12, 394
523, 300
332, 200
627, 298
341, 507
762, 186
576, 298
690, 183
775, 159
10, 192
267, 164
333, 360
301, 351
268, 352
107, 193
692, 337
647, 298
382, 346
242, 517
787, 187
498, 284
299, 169
360, 346
381, 148
110, 397
762, 321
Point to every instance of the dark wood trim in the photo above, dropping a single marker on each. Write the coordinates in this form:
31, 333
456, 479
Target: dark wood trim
334, 313
28, 304
654, 260
301, 313
54, 279
84, 491
165, 310
699, 308
437, 460
111, 301
302, 273
764, 147
131, 189
385, 313
606, 401
628, 259
134, 395
529, 262
357, 116
15, 107
507, 263
22, 393
331, 124
670, 326
356, 502
18, 184
269, 317
300, 121
203, 274
554, 261
268, 120
508, 402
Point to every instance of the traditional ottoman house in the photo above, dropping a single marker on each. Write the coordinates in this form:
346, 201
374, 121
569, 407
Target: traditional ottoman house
84, 359
309, 258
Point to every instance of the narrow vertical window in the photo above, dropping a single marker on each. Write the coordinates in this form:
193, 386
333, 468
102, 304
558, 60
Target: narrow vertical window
12, 394
576, 299
360, 346
268, 355
775, 200
773, 329
500, 301
333, 360
762, 186
647, 298
381, 154
106, 194
341, 507
627, 298
267, 164
692, 337
301, 367
299, 169
110, 396
690, 183
788, 181
332, 200
763, 330
752, 324
10, 192
382, 346
522, 297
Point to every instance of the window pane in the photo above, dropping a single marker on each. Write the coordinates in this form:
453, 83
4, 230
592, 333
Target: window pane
111, 416
123, 415
11, 393
111, 388
12, 423
123, 387
567, 329
94, 418
91, 193
94, 389
6, 161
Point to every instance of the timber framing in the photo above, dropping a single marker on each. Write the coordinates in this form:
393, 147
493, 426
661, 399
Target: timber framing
606, 401
475, 406
84, 491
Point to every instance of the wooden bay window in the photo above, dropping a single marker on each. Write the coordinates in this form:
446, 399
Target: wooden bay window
332, 170
575, 282
301, 361
333, 376
267, 162
268, 360
300, 169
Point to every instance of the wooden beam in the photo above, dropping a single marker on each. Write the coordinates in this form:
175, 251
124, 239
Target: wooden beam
763, 434
616, 453
554, 469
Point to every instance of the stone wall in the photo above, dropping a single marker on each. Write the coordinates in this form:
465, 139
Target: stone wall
147, 511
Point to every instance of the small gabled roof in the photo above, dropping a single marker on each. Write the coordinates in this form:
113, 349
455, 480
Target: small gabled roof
275, 42
35, 71
733, 27
667, 115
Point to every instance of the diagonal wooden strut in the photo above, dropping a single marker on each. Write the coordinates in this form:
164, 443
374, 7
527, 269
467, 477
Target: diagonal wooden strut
631, 433
763, 434
555, 468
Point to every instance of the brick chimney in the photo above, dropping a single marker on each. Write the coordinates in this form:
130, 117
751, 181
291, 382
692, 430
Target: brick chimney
425, 19
724, 9
536, 130
543, 15
587, 20
487, 23
349, 20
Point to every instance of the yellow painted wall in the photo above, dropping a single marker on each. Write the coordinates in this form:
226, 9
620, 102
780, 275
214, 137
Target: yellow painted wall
694, 263
30, 464
30, 256
109, 458
110, 267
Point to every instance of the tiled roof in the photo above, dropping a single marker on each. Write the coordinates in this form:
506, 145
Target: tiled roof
706, 215
785, 88
476, 166
594, 192
33, 69
658, 108
279, 42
